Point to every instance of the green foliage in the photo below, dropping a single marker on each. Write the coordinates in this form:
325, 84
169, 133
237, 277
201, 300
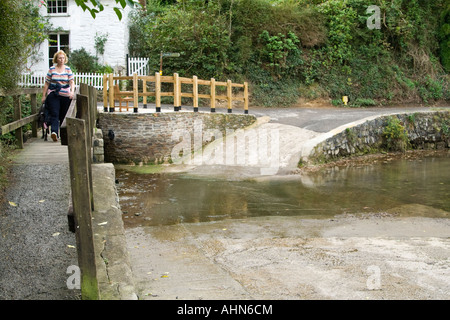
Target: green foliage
193, 29
340, 22
444, 37
276, 50
430, 89
22, 29
82, 61
100, 41
395, 134
305, 48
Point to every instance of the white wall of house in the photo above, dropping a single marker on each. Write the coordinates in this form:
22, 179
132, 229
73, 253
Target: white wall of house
82, 29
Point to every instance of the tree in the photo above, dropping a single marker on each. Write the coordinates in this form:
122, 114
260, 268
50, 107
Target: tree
96, 6
22, 29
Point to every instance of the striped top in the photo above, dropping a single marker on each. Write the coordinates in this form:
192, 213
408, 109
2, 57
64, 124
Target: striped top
63, 79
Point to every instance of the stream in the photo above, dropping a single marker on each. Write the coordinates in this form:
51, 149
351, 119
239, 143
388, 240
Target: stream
418, 186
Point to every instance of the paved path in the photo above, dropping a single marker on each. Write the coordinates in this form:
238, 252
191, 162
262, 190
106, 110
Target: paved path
36, 247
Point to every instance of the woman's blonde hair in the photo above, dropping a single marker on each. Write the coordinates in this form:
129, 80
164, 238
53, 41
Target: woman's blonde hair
55, 57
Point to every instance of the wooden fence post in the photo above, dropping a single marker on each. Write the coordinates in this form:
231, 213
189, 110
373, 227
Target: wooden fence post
245, 97
92, 94
195, 92
18, 116
176, 92
229, 96
158, 91
111, 93
105, 93
83, 112
213, 95
135, 93
81, 193
144, 91
33, 111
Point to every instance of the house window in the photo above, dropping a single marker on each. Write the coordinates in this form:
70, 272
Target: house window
57, 41
56, 6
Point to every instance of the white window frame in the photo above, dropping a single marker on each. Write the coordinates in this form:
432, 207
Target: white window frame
65, 5
57, 45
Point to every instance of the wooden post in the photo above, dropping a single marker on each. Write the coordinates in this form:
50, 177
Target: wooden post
195, 92
18, 116
158, 92
135, 92
81, 193
213, 95
105, 93
144, 91
229, 96
176, 92
34, 110
245, 97
111, 93
92, 94
84, 114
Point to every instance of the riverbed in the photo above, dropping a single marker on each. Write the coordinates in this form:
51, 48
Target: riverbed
377, 230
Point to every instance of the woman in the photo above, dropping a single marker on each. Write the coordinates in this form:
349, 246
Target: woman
59, 89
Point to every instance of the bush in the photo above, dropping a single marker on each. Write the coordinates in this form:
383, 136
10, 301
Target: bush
395, 134
82, 61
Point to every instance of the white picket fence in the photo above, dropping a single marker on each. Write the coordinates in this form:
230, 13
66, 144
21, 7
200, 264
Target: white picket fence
139, 66
135, 65
92, 79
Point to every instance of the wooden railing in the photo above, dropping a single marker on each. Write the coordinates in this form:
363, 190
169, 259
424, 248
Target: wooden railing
110, 94
76, 131
19, 122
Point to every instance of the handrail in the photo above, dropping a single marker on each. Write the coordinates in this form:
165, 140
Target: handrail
19, 122
76, 132
109, 94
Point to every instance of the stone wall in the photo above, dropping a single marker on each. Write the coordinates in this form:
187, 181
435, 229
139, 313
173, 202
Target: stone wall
428, 130
151, 137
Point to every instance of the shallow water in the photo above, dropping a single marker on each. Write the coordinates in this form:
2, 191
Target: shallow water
404, 187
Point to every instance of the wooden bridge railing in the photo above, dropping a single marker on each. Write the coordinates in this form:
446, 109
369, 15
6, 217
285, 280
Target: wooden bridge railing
19, 122
76, 132
110, 94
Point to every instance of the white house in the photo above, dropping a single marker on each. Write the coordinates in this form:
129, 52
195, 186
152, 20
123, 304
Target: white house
74, 29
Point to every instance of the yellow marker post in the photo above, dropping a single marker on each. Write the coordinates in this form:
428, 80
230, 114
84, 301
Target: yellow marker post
345, 100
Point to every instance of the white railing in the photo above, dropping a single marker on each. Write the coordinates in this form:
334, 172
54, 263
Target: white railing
138, 65
92, 79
